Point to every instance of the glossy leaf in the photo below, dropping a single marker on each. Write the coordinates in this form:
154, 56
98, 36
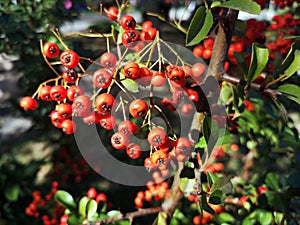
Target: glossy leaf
272, 181
186, 184
161, 219
91, 208
292, 61
130, 85
73, 219
292, 90
259, 60
114, 213
226, 217
217, 197
66, 199
82, 206
211, 177
205, 205
264, 217
245, 5
222, 183
199, 27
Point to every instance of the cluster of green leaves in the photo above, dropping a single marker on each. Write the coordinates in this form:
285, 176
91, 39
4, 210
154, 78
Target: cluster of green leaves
86, 209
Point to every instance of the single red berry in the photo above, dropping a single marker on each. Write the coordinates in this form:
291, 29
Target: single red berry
81, 105
69, 59
197, 220
73, 92
119, 140
64, 219
132, 70
108, 121
58, 93
133, 150
138, 108
64, 110
208, 43
91, 118
101, 198
128, 127
198, 69
28, 103
159, 158
158, 79
108, 59
145, 76
187, 109
262, 189
149, 34
92, 193
157, 137
112, 13
129, 37
183, 146
128, 22
51, 50
105, 103
146, 25
70, 75
102, 78
68, 126
198, 51
56, 119
193, 95
44, 93
149, 164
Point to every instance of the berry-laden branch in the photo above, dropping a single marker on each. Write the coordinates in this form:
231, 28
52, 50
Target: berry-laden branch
129, 216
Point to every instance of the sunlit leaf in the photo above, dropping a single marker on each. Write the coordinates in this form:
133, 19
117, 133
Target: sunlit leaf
82, 206
91, 208
245, 5
11, 192
130, 85
66, 199
292, 90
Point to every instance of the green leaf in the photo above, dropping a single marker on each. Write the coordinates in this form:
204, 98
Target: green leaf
161, 219
199, 27
226, 217
113, 213
259, 60
91, 208
73, 219
264, 217
223, 184
272, 181
245, 5
217, 197
210, 131
186, 184
130, 85
201, 143
66, 200
82, 206
11, 192
211, 177
205, 205
292, 61
292, 90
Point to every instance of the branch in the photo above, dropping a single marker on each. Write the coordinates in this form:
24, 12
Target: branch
257, 87
128, 216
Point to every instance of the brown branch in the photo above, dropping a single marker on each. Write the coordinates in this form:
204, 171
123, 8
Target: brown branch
257, 87
128, 216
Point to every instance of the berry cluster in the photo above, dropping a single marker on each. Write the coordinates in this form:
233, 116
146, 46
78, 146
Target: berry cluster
46, 208
285, 3
155, 191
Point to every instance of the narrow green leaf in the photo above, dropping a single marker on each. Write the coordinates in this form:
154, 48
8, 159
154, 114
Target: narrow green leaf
199, 27
205, 205
211, 177
130, 85
292, 90
292, 61
259, 60
91, 208
11, 192
82, 206
66, 200
245, 5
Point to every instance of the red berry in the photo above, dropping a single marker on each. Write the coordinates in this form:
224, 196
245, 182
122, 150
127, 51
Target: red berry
58, 93
159, 158
44, 93
107, 121
198, 51
187, 108
108, 59
198, 69
101, 198
64, 110
129, 37
73, 92
105, 103
208, 43
81, 105
92, 193
112, 13
68, 126
193, 95
69, 59
158, 79
133, 150
70, 75
119, 140
128, 22
102, 78
147, 25
132, 70
145, 76
56, 119
128, 127
28, 103
182, 146
138, 108
157, 137
207, 53
51, 50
